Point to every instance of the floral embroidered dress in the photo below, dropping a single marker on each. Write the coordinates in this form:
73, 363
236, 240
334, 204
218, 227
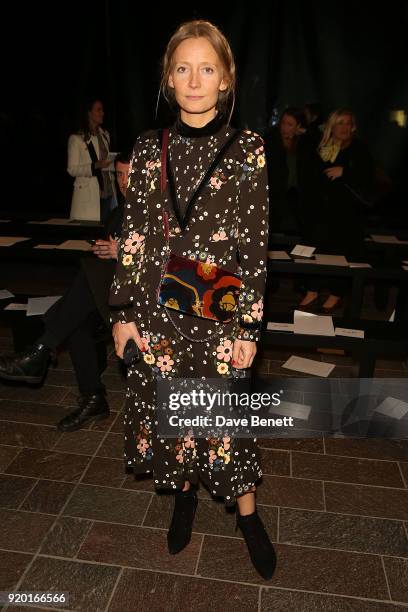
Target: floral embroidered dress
226, 225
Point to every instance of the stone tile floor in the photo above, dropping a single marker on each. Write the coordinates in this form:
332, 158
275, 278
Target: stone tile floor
73, 520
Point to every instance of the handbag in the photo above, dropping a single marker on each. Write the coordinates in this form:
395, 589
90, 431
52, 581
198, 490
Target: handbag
190, 286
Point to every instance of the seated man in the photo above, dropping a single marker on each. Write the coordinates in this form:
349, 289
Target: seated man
76, 319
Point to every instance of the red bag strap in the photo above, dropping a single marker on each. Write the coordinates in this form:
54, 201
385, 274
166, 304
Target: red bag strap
165, 142
163, 176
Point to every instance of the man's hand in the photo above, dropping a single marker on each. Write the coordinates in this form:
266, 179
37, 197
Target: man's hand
106, 249
243, 354
333, 173
122, 332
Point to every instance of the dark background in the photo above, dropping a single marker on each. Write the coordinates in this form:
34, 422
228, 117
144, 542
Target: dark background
287, 52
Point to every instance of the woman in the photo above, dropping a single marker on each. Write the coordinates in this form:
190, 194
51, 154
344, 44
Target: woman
281, 145
336, 183
87, 162
229, 212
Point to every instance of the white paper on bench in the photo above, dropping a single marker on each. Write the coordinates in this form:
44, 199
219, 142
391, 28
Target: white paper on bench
75, 245
352, 333
384, 238
53, 222
291, 409
309, 366
40, 305
5, 294
392, 407
308, 323
10, 240
16, 307
359, 265
392, 317
278, 255
331, 260
279, 326
304, 251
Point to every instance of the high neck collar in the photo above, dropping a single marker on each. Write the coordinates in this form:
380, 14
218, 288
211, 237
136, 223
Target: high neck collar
212, 127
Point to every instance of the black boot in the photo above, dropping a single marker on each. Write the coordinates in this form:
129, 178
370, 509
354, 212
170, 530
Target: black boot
179, 534
91, 407
27, 366
259, 545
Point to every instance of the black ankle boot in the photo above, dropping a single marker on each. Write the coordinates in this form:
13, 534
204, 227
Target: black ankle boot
91, 407
27, 366
179, 534
259, 545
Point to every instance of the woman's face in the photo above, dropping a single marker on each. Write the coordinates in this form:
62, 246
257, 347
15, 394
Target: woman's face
288, 126
343, 129
96, 113
196, 76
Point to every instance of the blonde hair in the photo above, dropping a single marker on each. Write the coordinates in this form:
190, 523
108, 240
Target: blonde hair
334, 118
201, 29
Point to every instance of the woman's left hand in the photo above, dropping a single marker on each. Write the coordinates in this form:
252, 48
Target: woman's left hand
243, 354
106, 249
334, 172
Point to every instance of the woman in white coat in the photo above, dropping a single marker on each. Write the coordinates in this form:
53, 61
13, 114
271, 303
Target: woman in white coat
88, 150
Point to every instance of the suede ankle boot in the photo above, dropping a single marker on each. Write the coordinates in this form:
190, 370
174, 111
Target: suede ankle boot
259, 545
179, 534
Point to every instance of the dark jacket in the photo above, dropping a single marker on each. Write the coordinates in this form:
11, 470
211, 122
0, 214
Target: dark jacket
332, 211
282, 197
99, 272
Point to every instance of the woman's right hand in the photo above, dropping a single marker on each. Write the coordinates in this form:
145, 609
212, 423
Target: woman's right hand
122, 332
102, 163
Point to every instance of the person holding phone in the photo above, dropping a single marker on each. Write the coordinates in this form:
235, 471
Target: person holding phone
216, 204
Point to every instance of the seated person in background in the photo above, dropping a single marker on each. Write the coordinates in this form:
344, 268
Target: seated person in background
281, 147
314, 121
336, 182
76, 319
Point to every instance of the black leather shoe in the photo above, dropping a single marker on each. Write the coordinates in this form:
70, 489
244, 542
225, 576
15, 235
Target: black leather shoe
91, 408
181, 526
28, 366
259, 545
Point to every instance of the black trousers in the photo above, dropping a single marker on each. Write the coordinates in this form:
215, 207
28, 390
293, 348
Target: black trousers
75, 320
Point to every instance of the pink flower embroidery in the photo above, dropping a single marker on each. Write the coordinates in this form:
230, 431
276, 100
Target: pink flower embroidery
146, 343
143, 445
259, 150
226, 441
164, 362
189, 441
215, 182
224, 351
179, 457
133, 243
221, 235
257, 310
212, 455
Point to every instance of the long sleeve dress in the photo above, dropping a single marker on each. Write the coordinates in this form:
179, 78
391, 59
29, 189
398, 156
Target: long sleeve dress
226, 225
